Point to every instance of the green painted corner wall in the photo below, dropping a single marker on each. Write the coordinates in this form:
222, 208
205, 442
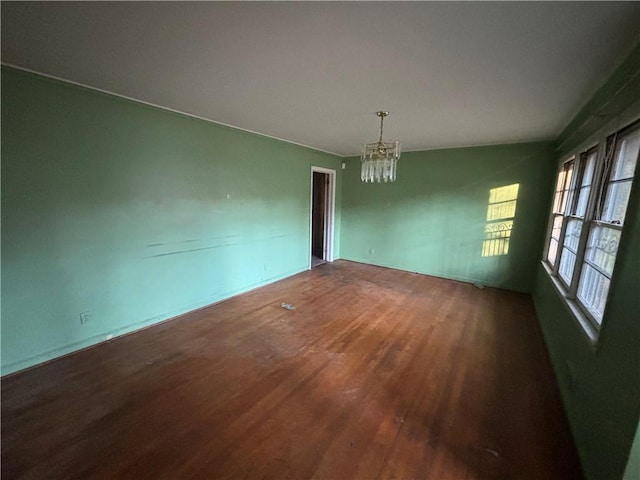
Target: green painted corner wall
432, 219
600, 386
135, 214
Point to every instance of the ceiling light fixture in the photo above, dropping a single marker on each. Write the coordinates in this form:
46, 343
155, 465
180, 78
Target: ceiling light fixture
380, 159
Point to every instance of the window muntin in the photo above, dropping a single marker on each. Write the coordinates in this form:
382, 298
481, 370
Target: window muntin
587, 219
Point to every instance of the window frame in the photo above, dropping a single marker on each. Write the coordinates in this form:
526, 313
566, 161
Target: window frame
606, 146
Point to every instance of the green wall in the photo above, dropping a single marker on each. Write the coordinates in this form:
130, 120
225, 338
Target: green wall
600, 385
432, 219
135, 214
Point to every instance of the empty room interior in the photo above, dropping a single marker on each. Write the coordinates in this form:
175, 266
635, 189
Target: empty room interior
329, 240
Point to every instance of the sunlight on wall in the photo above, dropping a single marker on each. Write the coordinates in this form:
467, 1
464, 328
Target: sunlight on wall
500, 214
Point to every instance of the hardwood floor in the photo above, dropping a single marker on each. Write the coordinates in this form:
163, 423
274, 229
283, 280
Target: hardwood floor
377, 373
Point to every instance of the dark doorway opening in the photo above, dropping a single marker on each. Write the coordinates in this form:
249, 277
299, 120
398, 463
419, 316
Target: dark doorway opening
319, 218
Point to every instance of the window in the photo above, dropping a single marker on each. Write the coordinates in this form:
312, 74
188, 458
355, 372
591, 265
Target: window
587, 219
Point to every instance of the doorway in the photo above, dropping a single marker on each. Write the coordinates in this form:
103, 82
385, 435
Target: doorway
322, 215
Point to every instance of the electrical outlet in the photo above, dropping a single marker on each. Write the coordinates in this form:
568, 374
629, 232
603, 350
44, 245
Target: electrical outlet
372, 251
85, 317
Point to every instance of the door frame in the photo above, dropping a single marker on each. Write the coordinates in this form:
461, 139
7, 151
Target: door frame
330, 213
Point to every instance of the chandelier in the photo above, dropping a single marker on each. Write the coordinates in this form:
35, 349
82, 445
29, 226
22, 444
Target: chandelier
379, 159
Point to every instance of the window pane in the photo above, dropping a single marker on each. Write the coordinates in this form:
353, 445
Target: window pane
567, 262
583, 200
565, 194
615, 205
553, 241
587, 176
560, 182
557, 226
553, 251
572, 235
626, 156
557, 201
569, 249
585, 183
592, 291
602, 247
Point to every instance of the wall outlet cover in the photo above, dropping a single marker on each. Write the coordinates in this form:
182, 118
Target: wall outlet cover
85, 317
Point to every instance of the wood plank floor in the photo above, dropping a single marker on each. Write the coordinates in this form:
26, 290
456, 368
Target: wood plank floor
376, 374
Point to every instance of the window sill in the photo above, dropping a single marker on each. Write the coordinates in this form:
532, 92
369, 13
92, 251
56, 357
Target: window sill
590, 333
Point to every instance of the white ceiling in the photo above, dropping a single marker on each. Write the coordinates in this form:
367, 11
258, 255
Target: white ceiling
314, 73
